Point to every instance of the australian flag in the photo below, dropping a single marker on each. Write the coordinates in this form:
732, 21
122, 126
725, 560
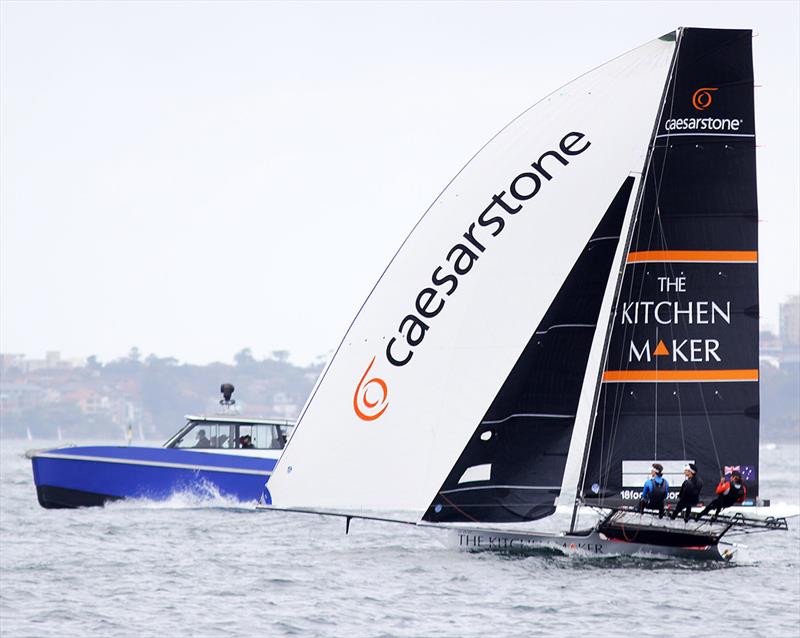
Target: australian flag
748, 472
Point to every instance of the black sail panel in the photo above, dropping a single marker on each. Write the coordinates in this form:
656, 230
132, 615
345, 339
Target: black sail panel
512, 467
680, 381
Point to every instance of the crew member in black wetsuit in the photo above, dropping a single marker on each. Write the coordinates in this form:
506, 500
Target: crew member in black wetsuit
689, 495
728, 493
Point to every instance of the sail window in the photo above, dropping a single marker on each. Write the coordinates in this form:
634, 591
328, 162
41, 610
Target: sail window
476, 473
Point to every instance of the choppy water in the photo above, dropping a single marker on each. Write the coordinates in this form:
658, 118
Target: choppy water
190, 568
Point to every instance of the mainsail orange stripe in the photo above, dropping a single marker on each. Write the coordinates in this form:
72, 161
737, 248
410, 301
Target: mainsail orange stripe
747, 256
616, 376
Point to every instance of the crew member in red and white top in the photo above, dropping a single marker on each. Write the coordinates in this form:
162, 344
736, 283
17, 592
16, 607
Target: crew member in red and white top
729, 492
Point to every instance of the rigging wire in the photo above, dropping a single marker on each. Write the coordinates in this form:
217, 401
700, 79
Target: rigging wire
670, 266
619, 395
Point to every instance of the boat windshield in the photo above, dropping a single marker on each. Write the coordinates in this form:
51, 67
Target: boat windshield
231, 436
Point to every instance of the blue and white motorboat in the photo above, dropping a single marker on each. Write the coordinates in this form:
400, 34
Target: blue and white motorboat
229, 456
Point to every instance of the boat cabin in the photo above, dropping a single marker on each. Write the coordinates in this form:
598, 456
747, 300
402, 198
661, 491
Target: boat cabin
231, 433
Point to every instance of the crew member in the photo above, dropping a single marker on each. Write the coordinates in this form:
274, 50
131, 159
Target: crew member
689, 496
655, 491
728, 493
202, 439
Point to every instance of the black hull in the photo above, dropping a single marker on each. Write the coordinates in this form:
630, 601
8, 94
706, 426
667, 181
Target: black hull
62, 498
663, 538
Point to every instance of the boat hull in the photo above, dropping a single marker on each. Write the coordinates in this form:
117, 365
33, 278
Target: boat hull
51, 497
92, 476
587, 543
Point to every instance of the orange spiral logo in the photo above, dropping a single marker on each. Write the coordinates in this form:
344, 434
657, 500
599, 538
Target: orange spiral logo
366, 409
701, 98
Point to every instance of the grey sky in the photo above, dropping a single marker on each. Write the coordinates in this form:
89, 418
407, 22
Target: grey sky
195, 178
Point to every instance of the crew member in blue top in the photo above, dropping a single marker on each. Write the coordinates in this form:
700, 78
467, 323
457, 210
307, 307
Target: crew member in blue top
655, 491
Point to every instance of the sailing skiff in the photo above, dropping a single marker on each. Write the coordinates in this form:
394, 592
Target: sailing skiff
579, 302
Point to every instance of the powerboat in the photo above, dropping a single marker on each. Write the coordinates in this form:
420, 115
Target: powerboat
225, 455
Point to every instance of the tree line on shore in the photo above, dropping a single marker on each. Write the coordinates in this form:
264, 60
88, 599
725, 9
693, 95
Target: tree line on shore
153, 394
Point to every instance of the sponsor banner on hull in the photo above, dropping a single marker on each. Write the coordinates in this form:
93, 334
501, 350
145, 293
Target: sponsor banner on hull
592, 544
503, 542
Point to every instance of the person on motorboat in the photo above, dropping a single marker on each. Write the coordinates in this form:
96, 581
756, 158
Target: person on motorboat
729, 492
246, 441
689, 496
655, 491
202, 439
278, 440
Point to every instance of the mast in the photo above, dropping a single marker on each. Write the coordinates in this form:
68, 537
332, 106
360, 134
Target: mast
620, 276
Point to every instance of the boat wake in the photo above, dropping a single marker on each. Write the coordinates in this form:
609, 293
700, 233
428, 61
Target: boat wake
204, 495
643, 561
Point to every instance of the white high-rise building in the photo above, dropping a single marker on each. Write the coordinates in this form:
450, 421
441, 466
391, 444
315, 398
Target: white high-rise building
790, 322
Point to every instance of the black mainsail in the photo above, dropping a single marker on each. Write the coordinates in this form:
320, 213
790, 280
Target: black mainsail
680, 379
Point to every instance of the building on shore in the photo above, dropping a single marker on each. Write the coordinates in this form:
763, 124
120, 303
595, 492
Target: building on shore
790, 322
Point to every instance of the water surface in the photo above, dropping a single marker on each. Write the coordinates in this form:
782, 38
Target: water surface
214, 568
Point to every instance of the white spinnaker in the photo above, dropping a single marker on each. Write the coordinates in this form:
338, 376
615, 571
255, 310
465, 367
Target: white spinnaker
337, 460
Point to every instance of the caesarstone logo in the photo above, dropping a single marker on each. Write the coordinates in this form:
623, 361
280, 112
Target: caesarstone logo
702, 98
371, 397
459, 257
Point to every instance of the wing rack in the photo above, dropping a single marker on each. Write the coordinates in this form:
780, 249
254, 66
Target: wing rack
627, 524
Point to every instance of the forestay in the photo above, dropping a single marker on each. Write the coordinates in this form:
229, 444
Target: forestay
440, 334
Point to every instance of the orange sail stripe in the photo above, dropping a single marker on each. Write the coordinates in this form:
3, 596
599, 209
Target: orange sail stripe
621, 376
712, 256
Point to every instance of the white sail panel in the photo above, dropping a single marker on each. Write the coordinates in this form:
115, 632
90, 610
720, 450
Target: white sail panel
445, 324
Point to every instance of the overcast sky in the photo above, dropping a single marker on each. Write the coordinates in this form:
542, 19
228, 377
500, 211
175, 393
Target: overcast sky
196, 178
